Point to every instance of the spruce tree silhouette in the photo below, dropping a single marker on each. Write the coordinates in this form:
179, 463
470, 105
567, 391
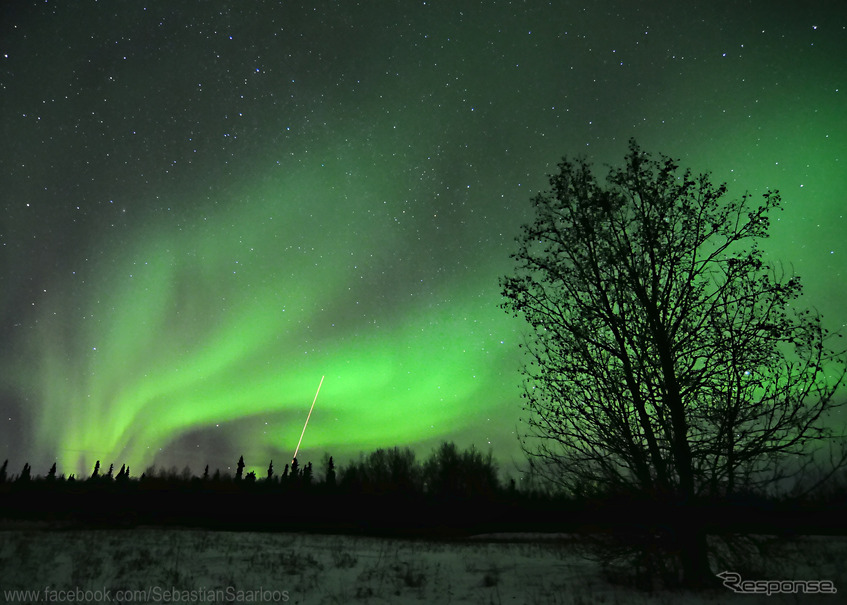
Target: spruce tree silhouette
307, 475
96, 474
3, 471
270, 471
51, 474
239, 469
329, 473
25, 473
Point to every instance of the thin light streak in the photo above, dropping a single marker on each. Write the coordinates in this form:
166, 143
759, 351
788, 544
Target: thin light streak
297, 449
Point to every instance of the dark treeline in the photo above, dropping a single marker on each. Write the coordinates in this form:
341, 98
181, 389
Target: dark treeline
388, 491
385, 490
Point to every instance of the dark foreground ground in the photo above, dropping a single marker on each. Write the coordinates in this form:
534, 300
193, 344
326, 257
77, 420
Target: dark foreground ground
146, 565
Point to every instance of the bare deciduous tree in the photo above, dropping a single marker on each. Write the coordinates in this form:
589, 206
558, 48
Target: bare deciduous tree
668, 358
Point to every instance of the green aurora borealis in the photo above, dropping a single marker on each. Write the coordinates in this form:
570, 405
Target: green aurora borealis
236, 317
207, 207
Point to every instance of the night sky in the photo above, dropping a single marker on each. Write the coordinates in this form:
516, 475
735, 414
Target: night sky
206, 207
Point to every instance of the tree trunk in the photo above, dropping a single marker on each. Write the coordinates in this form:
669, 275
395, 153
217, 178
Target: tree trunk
694, 554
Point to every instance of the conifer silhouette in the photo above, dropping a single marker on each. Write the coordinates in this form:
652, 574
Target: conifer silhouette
330, 473
25, 473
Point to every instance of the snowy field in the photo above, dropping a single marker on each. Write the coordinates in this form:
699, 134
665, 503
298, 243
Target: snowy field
197, 566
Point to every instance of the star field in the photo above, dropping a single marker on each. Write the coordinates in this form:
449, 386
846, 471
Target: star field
207, 208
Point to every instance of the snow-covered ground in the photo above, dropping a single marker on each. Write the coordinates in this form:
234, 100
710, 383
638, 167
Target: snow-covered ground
198, 566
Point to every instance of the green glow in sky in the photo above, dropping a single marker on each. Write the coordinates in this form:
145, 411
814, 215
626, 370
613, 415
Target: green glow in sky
236, 314
205, 211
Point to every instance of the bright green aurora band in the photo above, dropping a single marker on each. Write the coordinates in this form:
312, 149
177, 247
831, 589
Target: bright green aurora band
205, 212
234, 316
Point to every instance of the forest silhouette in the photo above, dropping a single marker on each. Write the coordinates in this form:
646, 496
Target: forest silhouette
452, 493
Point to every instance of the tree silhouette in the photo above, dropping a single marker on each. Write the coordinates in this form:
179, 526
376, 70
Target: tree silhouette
271, 471
3, 471
96, 474
239, 469
443, 471
329, 472
449, 472
123, 474
26, 473
668, 359
51, 474
385, 470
